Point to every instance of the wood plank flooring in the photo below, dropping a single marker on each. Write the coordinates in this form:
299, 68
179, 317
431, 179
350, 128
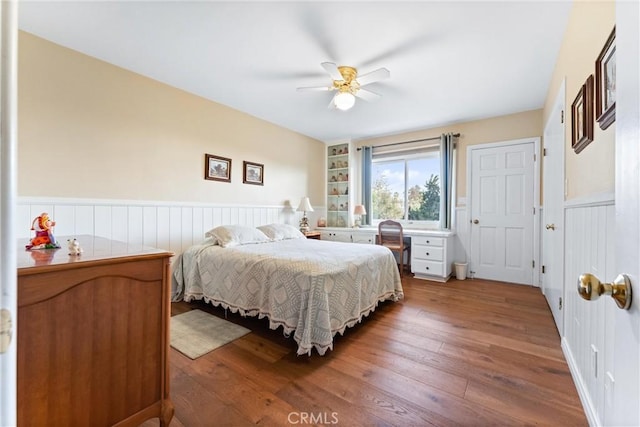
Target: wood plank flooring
470, 352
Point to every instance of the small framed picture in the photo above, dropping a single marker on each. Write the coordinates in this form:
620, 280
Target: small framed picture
217, 168
253, 173
606, 83
582, 117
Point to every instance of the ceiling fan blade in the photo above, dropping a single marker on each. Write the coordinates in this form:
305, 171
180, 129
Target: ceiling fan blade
314, 89
374, 76
333, 71
412, 46
332, 103
367, 95
315, 23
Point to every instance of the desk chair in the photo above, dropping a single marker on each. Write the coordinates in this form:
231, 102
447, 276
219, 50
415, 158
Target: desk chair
390, 235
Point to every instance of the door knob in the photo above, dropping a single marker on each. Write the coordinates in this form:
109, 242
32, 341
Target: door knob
6, 330
475, 221
590, 288
550, 227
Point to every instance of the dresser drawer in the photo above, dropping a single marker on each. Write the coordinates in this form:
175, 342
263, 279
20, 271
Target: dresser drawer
428, 267
429, 241
429, 253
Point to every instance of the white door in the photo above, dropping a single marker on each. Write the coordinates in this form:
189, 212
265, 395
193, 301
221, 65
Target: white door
622, 386
8, 174
502, 204
553, 214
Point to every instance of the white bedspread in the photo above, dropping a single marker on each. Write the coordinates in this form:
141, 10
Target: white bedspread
315, 288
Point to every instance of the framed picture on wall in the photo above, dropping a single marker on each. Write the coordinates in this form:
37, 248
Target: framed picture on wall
217, 168
582, 117
606, 83
253, 173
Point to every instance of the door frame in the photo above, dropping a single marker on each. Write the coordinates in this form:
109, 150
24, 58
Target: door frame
8, 202
536, 196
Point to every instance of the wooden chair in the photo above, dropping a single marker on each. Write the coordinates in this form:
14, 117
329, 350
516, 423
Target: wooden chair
390, 235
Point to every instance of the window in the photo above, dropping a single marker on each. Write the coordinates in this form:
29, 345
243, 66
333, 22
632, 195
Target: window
406, 186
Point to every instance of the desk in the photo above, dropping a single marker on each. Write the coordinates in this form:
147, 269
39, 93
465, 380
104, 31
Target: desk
432, 253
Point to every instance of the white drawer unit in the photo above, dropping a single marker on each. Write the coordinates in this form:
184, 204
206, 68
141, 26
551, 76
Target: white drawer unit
429, 253
350, 236
427, 268
428, 241
362, 236
432, 256
336, 236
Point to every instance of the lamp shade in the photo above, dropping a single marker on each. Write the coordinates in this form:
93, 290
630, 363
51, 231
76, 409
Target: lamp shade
344, 101
304, 205
359, 210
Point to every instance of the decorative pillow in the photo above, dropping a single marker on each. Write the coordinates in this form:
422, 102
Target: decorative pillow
234, 235
281, 231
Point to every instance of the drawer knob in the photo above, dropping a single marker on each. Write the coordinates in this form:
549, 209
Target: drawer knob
428, 241
427, 253
427, 268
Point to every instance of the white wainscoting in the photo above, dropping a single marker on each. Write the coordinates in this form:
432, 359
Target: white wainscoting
588, 339
171, 226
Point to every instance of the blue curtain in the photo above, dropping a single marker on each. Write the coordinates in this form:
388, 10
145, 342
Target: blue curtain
446, 169
367, 156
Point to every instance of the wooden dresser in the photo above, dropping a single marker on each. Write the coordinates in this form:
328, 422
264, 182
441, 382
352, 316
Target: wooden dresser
93, 335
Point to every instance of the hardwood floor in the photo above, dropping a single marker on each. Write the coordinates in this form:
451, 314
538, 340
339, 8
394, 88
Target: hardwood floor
470, 352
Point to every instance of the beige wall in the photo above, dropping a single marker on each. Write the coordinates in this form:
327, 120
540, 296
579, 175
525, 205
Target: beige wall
88, 129
590, 23
503, 128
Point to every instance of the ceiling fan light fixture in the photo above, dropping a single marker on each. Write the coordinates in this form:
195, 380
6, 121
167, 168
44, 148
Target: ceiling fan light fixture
344, 101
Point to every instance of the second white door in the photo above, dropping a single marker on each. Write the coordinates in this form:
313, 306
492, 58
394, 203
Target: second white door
553, 231
502, 204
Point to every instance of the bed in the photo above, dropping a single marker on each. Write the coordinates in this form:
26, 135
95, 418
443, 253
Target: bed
312, 288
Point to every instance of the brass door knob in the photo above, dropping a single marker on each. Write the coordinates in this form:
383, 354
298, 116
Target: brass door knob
590, 288
475, 221
550, 226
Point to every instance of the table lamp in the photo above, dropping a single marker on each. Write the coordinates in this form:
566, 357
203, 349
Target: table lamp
359, 210
304, 207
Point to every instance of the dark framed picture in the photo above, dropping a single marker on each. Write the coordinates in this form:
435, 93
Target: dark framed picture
253, 173
606, 83
582, 117
217, 168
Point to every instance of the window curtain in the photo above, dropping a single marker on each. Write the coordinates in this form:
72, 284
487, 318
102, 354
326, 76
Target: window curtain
446, 169
367, 156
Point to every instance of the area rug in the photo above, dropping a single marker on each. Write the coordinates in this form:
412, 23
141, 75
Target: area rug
196, 333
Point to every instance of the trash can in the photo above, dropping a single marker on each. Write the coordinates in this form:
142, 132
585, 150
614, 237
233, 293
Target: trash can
461, 270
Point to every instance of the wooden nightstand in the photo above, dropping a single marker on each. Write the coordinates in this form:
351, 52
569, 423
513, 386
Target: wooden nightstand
312, 235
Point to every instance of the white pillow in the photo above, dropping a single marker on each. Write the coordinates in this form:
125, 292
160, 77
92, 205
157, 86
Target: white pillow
234, 235
281, 231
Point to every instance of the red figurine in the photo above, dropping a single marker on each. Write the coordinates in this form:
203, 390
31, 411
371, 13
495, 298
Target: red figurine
43, 226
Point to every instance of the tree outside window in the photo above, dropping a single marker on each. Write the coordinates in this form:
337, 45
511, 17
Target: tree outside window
406, 189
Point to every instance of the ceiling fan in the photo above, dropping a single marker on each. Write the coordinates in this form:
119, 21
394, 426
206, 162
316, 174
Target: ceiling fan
348, 85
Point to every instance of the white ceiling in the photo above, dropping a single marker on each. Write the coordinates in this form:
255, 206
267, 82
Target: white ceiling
449, 61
